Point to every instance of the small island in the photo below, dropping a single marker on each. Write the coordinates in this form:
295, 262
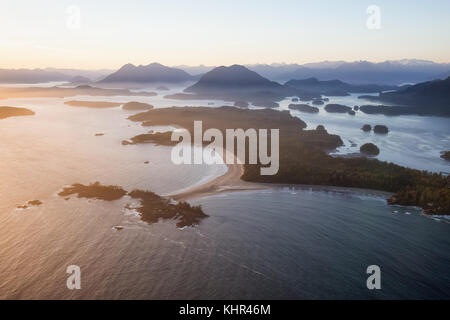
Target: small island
303, 108
337, 108
446, 155
366, 128
158, 138
381, 129
369, 149
32, 203
133, 105
152, 207
318, 102
7, 112
94, 191
92, 104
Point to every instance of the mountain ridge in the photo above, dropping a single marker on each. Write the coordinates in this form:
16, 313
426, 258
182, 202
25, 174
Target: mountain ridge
151, 73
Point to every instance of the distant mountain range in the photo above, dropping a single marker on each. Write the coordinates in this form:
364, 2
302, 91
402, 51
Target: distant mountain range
336, 87
195, 70
48, 75
92, 75
364, 72
152, 73
391, 72
274, 71
360, 72
30, 76
427, 98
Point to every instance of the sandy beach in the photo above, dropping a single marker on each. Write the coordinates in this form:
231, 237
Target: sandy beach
231, 182
228, 182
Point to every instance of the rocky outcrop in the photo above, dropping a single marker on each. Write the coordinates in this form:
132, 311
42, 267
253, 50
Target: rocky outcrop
369, 149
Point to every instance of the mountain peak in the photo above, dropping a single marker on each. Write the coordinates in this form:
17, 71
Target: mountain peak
235, 76
154, 72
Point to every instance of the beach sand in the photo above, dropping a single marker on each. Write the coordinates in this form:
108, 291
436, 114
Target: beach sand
228, 182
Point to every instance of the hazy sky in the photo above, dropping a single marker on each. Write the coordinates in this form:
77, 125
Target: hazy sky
111, 33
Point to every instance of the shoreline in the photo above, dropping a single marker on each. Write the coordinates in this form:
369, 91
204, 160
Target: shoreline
230, 181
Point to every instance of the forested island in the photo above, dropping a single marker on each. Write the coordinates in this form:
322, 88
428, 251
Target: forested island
303, 108
306, 162
158, 138
152, 206
337, 108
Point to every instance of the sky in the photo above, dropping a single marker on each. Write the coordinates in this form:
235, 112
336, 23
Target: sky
107, 34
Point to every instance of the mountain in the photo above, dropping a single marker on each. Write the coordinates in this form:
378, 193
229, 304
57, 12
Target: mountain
30, 76
94, 75
443, 75
235, 77
273, 71
238, 83
324, 64
195, 70
80, 80
426, 98
153, 72
364, 72
336, 87
48, 75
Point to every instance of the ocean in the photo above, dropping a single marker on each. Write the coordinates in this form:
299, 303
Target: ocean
283, 242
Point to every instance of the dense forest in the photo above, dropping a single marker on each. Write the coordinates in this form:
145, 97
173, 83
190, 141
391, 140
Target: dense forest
301, 164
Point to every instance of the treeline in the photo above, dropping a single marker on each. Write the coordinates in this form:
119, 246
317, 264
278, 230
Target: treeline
301, 164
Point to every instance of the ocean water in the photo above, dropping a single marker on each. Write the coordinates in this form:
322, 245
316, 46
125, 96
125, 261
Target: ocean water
271, 244
277, 243
413, 141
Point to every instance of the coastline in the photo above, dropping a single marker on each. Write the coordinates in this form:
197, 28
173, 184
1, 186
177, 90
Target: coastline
231, 181
228, 182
